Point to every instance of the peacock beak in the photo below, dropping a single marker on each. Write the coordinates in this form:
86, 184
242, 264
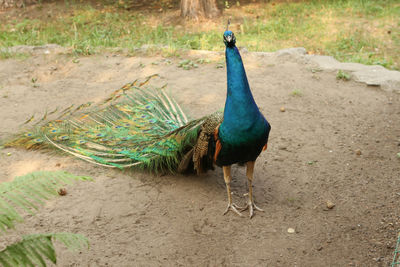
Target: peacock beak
229, 38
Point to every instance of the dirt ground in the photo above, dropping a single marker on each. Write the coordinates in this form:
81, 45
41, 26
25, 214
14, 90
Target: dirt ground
138, 219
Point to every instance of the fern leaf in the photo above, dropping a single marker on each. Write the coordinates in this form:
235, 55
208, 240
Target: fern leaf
26, 193
34, 249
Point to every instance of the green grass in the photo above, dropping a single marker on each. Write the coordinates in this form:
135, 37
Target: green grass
365, 31
7, 54
342, 75
296, 92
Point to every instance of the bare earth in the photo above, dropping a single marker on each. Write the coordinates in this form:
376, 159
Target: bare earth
138, 219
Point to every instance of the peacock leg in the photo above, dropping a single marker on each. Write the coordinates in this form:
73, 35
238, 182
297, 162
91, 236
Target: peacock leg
228, 178
250, 204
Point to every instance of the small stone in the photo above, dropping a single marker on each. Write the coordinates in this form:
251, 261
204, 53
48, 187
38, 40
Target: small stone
319, 248
378, 259
330, 204
62, 192
358, 152
8, 154
282, 109
291, 230
398, 155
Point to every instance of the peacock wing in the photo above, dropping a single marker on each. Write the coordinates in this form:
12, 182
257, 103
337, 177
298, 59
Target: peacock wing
204, 149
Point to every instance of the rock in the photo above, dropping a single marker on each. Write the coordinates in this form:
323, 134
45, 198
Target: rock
294, 51
62, 192
330, 204
374, 75
389, 245
243, 50
291, 230
358, 152
282, 109
43, 49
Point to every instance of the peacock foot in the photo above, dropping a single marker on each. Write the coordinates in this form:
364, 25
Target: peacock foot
233, 207
251, 206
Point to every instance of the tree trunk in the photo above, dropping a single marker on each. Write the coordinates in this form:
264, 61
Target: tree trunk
15, 3
199, 8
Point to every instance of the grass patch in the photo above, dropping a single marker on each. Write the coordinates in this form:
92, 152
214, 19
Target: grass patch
342, 75
296, 92
364, 31
6, 55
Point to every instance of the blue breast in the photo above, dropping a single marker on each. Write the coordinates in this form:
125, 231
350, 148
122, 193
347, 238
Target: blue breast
244, 130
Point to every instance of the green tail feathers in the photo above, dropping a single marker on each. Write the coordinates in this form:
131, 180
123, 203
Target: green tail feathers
136, 126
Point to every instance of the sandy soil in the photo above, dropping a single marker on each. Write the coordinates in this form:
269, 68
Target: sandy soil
137, 219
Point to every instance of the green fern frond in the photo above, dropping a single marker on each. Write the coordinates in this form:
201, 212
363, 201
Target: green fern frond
26, 193
34, 249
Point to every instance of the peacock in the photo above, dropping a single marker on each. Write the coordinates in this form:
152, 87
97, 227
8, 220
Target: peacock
143, 127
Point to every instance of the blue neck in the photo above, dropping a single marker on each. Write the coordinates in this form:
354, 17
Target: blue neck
240, 107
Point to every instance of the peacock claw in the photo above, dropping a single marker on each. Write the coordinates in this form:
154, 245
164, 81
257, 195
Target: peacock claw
233, 207
251, 206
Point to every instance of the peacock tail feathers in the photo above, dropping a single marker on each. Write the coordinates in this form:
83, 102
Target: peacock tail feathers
137, 126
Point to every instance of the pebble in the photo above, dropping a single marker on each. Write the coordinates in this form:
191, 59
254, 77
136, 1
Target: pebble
62, 192
282, 109
358, 152
330, 204
291, 230
389, 245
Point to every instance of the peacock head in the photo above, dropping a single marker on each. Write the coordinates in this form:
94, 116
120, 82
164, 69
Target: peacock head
229, 38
